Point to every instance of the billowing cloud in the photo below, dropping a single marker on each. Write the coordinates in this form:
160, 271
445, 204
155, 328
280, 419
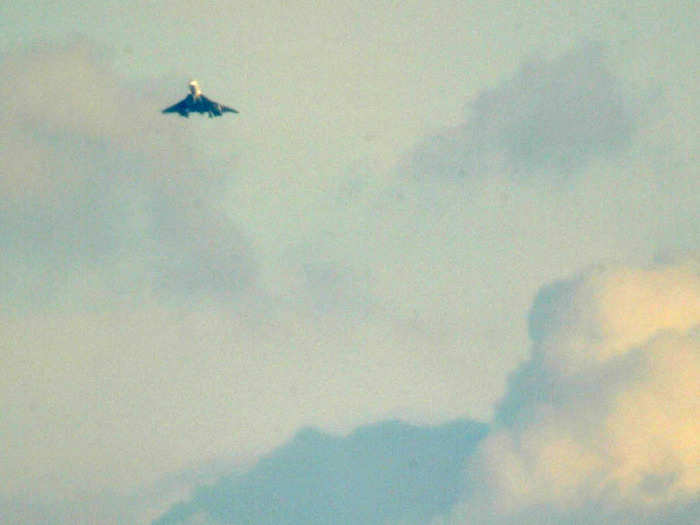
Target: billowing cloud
552, 117
604, 415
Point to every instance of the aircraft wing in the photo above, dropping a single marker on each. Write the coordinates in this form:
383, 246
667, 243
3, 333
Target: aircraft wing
181, 108
224, 109
216, 107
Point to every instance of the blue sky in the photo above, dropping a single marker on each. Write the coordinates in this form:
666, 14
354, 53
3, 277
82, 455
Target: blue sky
425, 212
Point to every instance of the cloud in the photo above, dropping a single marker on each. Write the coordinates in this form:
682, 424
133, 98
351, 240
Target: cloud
553, 116
125, 207
383, 473
136, 336
118, 398
141, 505
602, 420
99, 187
464, 255
598, 426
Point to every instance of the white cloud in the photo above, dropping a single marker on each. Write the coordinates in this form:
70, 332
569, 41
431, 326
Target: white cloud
603, 418
608, 311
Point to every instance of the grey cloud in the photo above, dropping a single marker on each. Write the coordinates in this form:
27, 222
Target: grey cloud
99, 184
384, 473
552, 116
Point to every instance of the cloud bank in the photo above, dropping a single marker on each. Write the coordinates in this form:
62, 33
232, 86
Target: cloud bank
598, 426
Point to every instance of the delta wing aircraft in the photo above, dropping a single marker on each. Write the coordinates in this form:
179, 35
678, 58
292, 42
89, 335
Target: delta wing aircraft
196, 102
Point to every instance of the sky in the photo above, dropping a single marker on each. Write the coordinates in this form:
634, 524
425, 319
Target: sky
469, 227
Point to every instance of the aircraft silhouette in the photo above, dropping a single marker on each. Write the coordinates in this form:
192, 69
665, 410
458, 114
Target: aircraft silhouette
196, 102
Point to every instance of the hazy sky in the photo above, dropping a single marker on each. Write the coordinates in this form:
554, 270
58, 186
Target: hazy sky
416, 200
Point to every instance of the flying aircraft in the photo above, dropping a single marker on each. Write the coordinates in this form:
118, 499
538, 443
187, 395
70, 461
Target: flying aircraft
195, 101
